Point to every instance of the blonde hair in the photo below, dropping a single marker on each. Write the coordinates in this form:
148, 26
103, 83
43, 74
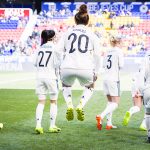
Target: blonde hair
114, 40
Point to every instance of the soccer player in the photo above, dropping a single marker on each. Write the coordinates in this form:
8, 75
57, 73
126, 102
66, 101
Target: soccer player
81, 61
137, 101
145, 89
46, 64
112, 63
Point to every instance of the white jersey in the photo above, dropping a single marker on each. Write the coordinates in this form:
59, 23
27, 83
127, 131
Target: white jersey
146, 68
113, 61
81, 49
46, 61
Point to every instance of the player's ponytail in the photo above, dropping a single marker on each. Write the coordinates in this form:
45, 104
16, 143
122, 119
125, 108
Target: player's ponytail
82, 16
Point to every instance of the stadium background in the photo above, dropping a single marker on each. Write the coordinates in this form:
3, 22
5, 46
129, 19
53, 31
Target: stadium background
21, 23
19, 37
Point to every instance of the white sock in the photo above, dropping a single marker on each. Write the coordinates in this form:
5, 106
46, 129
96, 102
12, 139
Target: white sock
148, 124
53, 114
39, 114
87, 93
134, 110
109, 108
67, 96
109, 116
109, 119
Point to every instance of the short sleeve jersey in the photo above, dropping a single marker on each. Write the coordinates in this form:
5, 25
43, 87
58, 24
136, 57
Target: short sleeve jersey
45, 61
113, 61
80, 47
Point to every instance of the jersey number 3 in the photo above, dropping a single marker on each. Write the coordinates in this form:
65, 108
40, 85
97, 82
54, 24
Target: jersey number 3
79, 40
109, 61
41, 54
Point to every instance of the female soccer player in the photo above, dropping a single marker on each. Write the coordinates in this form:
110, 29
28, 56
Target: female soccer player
46, 64
137, 101
145, 89
113, 61
81, 61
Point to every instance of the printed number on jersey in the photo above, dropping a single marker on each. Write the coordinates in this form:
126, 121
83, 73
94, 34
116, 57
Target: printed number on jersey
109, 61
44, 58
80, 40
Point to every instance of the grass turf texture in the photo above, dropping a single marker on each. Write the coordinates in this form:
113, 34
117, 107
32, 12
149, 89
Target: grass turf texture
17, 113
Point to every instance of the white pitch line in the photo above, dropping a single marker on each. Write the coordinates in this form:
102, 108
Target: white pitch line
16, 80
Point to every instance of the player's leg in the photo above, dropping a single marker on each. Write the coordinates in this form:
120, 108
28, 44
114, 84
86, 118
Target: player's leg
137, 101
41, 92
86, 79
148, 123
109, 116
108, 110
113, 97
68, 78
87, 93
53, 114
39, 114
68, 99
143, 124
146, 97
53, 89
98, 117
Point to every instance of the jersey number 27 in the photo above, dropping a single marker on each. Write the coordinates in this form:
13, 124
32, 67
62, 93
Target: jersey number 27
41, 54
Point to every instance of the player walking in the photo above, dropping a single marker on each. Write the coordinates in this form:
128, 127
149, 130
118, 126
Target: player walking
46, 64
145, 89
113, 61
137, 101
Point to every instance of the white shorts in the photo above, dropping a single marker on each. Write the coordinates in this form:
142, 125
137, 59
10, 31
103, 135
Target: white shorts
85, 77
47, 86
111, 88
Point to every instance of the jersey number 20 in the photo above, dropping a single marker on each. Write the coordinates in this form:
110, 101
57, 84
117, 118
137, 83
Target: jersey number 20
79, 40
41, 53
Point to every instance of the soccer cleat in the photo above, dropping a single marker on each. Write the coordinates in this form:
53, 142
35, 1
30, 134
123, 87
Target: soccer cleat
143, 128
99, 122
126, 118
114, 127
39, 130
108, 127
54, 129
69, 114
80, 113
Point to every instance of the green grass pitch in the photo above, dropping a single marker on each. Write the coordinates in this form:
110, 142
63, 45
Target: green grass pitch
17, 113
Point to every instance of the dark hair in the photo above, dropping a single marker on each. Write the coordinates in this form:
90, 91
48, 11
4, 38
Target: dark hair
43, 37
46, 36
82, 16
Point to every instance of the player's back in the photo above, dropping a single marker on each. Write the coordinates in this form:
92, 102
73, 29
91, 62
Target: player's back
45, 61
147, 67
79, 48
113, 61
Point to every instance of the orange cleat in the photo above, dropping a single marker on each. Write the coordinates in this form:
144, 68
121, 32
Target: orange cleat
99, 122
108, 127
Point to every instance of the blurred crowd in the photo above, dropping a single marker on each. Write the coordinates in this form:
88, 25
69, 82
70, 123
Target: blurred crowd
135, 39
